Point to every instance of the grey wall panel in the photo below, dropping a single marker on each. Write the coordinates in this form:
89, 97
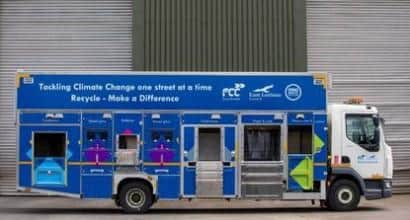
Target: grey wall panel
366, 45
223, 35
104, 35
56, 35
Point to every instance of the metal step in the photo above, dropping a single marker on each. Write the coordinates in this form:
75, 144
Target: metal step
262, 174
262, 179
209, 177
262, 190
262, 183
273, 196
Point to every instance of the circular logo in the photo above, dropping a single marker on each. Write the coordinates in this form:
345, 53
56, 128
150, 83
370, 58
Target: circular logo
293, 92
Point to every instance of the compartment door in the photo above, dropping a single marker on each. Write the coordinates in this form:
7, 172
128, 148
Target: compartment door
162, 152
189, 186
301, 172
229, 168
48, 158
97, 156
300, 149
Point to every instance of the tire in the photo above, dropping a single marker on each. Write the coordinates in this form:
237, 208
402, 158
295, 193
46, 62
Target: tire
344, 195
135, 197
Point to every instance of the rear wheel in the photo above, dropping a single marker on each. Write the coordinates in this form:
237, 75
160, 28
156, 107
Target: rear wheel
344, 195
135, 197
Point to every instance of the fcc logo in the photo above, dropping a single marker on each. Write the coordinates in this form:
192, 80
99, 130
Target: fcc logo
233, 93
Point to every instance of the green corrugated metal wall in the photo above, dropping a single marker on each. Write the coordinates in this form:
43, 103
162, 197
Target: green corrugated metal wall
219, 35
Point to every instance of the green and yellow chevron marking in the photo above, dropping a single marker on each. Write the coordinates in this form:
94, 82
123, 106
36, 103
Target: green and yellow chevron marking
303, 174
317, 143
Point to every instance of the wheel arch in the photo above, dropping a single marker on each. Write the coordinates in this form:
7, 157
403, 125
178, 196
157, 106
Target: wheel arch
147, 180
349, 174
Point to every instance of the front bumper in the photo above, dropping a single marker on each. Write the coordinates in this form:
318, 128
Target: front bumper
378, 189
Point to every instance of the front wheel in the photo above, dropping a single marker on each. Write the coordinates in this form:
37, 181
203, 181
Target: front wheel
135, 197
344, 195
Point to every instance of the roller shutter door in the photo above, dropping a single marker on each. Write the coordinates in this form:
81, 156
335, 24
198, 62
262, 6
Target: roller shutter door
56, 35
366, 45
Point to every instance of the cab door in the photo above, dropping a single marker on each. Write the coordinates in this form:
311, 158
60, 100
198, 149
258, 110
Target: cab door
361, 145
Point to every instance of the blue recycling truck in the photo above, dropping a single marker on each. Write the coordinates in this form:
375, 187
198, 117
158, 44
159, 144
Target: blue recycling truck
140, 137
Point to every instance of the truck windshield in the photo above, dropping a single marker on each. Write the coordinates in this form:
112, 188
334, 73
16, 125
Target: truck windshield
362, 130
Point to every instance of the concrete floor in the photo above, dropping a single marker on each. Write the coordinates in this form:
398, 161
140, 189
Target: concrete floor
21, 208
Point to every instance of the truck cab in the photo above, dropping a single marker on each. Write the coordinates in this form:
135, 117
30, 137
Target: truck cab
360, 161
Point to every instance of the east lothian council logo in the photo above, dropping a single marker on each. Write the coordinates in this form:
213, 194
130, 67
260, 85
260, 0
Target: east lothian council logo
233, 93
293, 92
263, 93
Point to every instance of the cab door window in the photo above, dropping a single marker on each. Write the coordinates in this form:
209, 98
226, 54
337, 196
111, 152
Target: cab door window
362, 130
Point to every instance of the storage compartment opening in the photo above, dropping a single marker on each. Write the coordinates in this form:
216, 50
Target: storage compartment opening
128, 142
97, 134
128, 149
162, 136
49, 145
262, 143
209, 144
49, 159
300, 139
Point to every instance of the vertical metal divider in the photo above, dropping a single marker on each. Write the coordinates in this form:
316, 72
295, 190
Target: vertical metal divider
238, 156
116, 147
222, 144
142, 142
18, 146
67, 142
113, 151
313, 133
182, 156
33, 176
234, 162
196, 157
222, 156
17, 123
285, 148
81, 141
196, 149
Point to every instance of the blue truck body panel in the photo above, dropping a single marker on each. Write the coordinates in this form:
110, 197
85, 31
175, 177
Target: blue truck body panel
165, 111
167, 92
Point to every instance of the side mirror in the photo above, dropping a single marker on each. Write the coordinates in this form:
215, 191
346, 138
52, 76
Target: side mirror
382, 120
375, 146
376, 120
377, 136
